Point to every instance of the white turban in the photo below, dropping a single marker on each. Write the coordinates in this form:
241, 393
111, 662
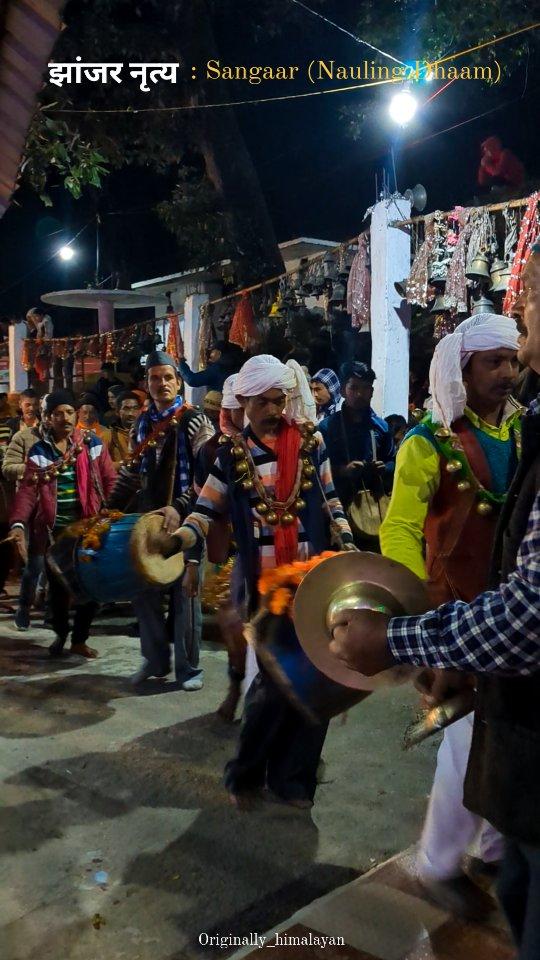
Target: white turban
300, 403
229, 401
483, 331
263, 373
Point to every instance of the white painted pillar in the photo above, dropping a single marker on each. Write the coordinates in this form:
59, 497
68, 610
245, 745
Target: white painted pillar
192, 307
390, 315
18, 378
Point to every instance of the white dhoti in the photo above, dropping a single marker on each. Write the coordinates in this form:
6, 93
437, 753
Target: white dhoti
450, 830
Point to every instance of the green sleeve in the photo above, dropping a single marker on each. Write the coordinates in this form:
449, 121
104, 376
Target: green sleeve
415, 482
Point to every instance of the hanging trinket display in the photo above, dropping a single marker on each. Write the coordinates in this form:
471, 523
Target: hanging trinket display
359, 286
529, 233
456, 281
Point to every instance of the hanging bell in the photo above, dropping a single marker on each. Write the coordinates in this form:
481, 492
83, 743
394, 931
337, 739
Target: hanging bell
400, 287
443, 433
463, 485
495, 271
306, 485
329, 267
242, 466
247, 484
503, 279
287, 518
262, 508
453, 466
484, 508
441, 304
272, 518
338, 294
483, 305
299, 504
478, 269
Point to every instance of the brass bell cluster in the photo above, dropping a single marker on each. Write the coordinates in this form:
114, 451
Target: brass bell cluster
494, 279
483, 507
266, 507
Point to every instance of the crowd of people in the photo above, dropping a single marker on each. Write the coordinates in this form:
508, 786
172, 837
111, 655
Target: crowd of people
281, 463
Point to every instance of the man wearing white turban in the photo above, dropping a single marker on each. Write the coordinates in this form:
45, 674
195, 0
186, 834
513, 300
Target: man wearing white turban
280, 507
452, 474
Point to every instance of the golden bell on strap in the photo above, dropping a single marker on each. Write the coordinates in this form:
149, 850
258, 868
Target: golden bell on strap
478, 268
310, 427
152, 443
242, 466
463, 486
453, 466
287, 518
306, 485
418, 414
262, 508
443, 433
309, 470
238, 453
484, 508
272, 518
299, 504
247, 484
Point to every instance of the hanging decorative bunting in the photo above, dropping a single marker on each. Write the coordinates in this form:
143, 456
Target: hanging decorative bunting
359, 286
174, 346
243, 331
530, 230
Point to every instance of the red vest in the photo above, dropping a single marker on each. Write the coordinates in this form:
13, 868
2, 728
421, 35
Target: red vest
459, 540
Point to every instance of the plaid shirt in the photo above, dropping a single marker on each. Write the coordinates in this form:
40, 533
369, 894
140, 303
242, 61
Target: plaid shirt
499, 632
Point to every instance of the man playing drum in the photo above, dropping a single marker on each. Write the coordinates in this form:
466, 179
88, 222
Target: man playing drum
275, 484
158, 476
68, 477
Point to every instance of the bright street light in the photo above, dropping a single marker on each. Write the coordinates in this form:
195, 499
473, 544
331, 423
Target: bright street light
66, 253
402, 107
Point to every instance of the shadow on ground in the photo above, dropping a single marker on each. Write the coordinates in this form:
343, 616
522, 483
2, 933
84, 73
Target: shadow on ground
43, 708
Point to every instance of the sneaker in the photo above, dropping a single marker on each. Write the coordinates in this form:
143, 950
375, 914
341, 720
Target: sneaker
195, 683
22, 619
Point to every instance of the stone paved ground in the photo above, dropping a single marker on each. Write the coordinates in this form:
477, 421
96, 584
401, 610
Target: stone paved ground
112, 805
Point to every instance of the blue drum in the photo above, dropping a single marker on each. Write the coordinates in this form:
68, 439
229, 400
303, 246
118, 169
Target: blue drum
134, 555
313, 694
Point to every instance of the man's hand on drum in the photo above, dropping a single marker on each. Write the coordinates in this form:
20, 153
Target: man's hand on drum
171, 519
18, 536
359, 639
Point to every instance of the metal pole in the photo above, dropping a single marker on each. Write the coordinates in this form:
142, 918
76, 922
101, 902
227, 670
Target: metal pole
98, 224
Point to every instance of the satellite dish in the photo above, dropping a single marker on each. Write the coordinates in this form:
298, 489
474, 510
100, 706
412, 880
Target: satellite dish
417, 196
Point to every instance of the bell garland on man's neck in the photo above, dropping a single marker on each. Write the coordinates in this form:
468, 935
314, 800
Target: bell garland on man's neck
272, 511
449, 446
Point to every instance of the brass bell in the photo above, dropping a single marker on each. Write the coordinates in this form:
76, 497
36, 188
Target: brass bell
309, 470
152, 443
478, 268
503, 279
418, 414
242, 466
311, 427
495, 271
453, 466
223, 438
483, 305
441, 304
306, 485
400, 286
443, 433
46, 476
287, 519
484, 508
238, 452
262, 508
247, 484
463, 485
299, 504
272, 518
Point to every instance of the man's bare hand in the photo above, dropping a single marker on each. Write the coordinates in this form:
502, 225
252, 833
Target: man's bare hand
436, 686
359, 639
171, 519
18, 536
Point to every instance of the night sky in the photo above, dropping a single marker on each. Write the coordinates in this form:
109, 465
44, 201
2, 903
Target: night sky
317, 180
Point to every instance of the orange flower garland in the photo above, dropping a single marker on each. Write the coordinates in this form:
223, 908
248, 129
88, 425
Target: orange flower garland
278, 587
92, 530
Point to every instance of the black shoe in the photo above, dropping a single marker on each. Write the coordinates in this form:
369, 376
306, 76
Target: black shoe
22, 619
56, 648
461, 897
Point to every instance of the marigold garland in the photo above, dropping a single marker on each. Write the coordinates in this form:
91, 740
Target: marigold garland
92, 531
277, 587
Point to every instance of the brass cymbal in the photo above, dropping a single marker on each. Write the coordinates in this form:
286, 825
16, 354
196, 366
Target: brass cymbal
354, 581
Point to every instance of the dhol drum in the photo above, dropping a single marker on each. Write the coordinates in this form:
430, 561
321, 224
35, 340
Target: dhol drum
296, 652
129, 553
312, 693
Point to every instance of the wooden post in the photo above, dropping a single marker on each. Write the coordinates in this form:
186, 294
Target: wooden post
390, 315
192, 308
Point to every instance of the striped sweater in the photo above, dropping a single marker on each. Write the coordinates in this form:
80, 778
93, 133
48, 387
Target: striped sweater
214, 501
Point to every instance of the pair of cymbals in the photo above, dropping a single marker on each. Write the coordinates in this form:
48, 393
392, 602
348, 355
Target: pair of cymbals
357, 581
